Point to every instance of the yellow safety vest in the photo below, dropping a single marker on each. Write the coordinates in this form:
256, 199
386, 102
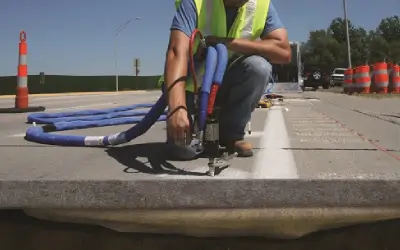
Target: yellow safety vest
249, 24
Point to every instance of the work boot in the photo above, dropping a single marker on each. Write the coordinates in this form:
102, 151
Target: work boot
241, 147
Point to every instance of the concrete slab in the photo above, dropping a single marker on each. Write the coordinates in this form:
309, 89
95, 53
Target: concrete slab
313, 156
326, 149
304, 157
353, 112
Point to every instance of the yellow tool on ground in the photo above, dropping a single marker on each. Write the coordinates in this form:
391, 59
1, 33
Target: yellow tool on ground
265, 102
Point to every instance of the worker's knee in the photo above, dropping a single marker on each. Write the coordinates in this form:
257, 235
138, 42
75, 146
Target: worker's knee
258, 67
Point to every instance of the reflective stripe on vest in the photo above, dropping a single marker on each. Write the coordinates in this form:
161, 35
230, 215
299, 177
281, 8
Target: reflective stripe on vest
249, 24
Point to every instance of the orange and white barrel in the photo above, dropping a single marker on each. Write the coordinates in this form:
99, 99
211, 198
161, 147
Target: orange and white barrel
394, 84
380, 78
362, 80
21, 97
348, 81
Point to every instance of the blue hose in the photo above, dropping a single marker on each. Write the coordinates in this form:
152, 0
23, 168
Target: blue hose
116, 116
222, 63
218, 68
211, 65
100, 118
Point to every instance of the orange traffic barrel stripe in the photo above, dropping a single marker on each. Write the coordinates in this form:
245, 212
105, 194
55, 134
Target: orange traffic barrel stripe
380, 77
394, 86
362, 80
348, 80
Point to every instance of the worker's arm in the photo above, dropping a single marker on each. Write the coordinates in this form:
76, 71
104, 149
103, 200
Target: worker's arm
175, 71
274, 44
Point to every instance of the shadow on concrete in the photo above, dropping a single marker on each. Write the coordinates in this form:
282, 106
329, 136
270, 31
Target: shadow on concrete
158, 159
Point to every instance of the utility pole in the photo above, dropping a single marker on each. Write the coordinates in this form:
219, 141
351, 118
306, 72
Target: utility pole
121, 28
347, 33
136, 65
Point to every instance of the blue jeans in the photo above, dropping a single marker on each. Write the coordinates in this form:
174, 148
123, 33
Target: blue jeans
242, 87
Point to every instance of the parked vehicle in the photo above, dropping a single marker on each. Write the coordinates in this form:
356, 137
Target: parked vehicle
337, 77
314, 78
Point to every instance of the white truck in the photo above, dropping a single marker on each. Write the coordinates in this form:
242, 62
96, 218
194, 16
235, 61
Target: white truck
337, 77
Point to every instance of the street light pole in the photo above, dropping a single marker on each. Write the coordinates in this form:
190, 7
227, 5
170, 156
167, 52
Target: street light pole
115, 63
347, 33
117, 31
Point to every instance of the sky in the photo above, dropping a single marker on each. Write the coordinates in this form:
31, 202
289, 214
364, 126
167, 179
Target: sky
77, 37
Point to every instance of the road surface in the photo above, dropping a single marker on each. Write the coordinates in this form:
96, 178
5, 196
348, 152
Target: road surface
320, 138
314, 149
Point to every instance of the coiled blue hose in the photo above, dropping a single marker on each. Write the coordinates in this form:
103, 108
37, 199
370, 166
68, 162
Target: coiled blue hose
215, 67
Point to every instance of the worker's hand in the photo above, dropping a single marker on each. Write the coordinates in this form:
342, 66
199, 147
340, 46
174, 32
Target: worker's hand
178, 126
212, 40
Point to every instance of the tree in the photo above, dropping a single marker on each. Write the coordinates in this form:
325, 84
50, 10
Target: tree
359, 46
378, 48
389, 29
358, 37
320, 50
327, 48
337, 29
394, 52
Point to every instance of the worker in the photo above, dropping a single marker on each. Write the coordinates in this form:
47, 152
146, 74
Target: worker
255, 38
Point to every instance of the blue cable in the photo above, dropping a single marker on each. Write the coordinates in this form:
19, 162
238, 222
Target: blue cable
222, 63
219, 55
115, 116
211, 65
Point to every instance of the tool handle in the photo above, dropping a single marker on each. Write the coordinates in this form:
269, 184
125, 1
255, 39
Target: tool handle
212, 98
